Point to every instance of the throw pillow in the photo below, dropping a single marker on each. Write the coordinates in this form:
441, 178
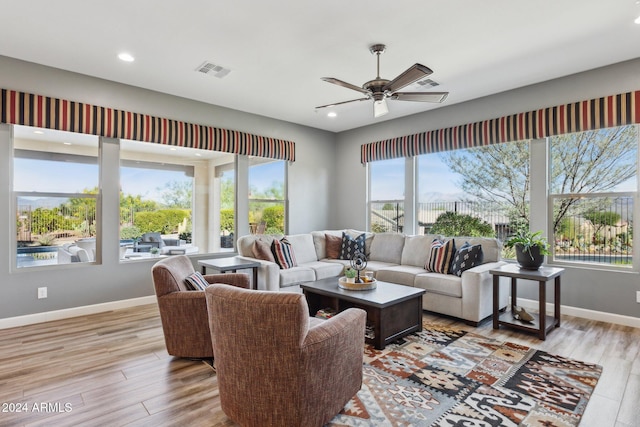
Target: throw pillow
283, 253
262, 250
196, 281
350, 245
440, 256
334, 244
466, 257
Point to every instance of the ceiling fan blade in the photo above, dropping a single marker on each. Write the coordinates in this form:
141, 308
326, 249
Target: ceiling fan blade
380, 108
420, 96
345, 84
410, 75
343, 102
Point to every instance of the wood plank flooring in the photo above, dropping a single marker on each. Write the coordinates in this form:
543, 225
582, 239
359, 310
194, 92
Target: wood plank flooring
112, 369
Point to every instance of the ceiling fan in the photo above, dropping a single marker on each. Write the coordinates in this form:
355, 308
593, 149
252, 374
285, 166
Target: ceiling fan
380, 89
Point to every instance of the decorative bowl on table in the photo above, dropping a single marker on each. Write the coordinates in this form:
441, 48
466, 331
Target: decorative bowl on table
351, 285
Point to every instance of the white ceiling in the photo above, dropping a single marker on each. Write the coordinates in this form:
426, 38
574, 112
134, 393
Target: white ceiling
278, 50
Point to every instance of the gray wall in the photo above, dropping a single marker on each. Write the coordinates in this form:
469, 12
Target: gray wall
605, 291
80, 285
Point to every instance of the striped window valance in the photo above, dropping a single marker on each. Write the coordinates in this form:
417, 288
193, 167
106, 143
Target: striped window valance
26, 109
609, 111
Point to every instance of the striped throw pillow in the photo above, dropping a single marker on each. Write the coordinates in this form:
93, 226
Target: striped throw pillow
283, 253
441, 256
196, 281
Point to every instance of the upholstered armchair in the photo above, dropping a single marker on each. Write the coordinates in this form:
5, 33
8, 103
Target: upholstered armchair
276, 366
183, 312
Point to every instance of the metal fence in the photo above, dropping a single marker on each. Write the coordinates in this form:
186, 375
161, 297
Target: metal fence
593, 229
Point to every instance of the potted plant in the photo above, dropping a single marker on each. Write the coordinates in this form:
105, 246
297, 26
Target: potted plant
530, 248
350, 274
154, 251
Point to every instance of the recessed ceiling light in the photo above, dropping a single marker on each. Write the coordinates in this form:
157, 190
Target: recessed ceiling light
38, 132
332, 114
126, 57
173, 149
198, 155
637, 21
66, 143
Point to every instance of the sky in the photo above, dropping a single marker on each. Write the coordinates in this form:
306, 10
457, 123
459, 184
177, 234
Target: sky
61, 177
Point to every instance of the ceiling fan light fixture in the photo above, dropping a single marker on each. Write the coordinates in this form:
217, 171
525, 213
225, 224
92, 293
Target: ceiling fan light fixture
380, 108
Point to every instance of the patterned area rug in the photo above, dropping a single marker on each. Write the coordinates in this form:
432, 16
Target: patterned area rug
445, 377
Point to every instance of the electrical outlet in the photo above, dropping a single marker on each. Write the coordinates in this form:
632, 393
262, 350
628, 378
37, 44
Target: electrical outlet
638, 297
42, 293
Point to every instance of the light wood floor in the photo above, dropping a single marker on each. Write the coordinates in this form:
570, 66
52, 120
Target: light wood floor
112, 369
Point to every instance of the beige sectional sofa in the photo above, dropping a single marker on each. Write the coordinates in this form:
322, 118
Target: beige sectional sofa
393, 257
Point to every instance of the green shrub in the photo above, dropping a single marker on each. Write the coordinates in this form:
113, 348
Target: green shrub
273, 216
227, 220
454, 224
165, 221
130, 232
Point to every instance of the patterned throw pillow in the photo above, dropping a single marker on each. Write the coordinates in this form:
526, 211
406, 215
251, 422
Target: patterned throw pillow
350, 245
283, 253
334, 244
196, 281
466, 257
440, 256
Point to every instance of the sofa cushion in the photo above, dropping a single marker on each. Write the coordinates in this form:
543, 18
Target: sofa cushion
387, 247
368, 238
333, 246
491, 247
416, 249
445, 284
440, 256
296, 275
262, 250
196, 281
466, 257
401, 274
324, 269
320, 241
283, 253
350, 246
303, 247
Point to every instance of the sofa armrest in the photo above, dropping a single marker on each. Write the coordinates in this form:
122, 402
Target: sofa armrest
268, 274
477, 291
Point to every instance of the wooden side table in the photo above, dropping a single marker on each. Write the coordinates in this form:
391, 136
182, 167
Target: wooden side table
542, 323
231, 264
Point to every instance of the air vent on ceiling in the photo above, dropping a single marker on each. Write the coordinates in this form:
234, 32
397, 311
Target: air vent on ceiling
212, 69
427, 83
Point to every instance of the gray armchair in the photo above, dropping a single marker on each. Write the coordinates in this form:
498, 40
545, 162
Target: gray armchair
275, 365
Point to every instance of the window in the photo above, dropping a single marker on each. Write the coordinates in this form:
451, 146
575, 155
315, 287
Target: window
386, 195
593, 183
481, 191
267, 196
170, 194
55, 185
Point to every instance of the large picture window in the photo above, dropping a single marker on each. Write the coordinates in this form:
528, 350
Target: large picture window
481, 191
267, 196
386, 187
56, 193
593, 183
170, 200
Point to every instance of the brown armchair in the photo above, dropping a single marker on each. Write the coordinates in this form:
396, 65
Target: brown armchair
183, 312
276, 366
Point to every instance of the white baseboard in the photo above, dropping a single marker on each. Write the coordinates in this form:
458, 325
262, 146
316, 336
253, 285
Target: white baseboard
48, 316
584, 313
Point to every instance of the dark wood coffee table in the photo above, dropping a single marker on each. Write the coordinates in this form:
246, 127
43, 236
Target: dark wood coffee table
393, 311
